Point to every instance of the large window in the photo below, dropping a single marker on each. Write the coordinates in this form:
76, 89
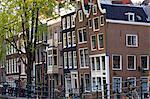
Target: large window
65, 60
84, 58
96, 24
95, 63
131, 40
93, 42
131, 62
64, 23
96, 82
73, 38
74, 59
144, 62
100, 41
69, 39
145, 87
87, 82
101, 20
68, 22
117, 62
82, 35
70, 59
117, 84
73, 21
64, 40
80, 15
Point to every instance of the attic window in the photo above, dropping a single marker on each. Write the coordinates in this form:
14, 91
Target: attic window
131, 16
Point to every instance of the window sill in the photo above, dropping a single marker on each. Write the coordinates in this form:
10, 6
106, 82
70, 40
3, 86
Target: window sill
132, 46
82, 42
131, 69
116, 69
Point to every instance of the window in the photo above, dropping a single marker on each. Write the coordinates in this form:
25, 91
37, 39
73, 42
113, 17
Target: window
132, 81
96, 82
90, 23
95, 63
96, 24
74, 59
68, 22
100, 41
131, 16
73, 38
73, 21
64, 23
87, 82
69, 39
131, 40
94, 9
117, 84
64, 40
70, 59
65, 60
131, 62
82, 35
84, 59
93, 42
117, 62
144, 85
80, 15
144, 62
101, 20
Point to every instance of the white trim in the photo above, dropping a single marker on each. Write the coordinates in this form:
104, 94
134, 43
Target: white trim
134, 80
147, 62
64, 43
73, 35
68, 22
89, 23
120, 61
65, 57
80, 17
82, 35
72, 20
120, 83
102, 17
132, 35
94, 24
134, 62
70, 59
127, 22
74, 61
68, 36
83, 58
92, 42
99, 6
99, 42
94, 7
130, 14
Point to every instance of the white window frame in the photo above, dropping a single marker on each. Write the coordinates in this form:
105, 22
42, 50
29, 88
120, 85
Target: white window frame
120, 61
127, 40
82, 36
134, 62
147, 62
102, 22
99, 42
65, 60
94, 8
69, 37
120, 83
89, 23
70, 59
64, 23
83, 58
68, 22
92, 43
64, 43
130, 14
80, 15
132, 78
96, 80
147, 82
73, 38
94, 24
74, 61
73, 21
85, 82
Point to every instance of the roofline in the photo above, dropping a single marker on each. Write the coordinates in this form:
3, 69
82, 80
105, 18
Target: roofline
127, 22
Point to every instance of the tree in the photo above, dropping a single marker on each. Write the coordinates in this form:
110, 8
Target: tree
19, 20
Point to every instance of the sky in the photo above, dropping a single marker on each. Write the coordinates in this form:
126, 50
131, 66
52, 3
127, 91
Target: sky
137, 1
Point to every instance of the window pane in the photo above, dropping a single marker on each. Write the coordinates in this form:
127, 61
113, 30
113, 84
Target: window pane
116, 62
144, 62
87, 82
80, 36
81, 58
144, 84
86, 57
55, 60
93, 63
94, 83
99, 83
98, 63
84, 35
131, 62
93, 42
100, 38
116, 84
96, 25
